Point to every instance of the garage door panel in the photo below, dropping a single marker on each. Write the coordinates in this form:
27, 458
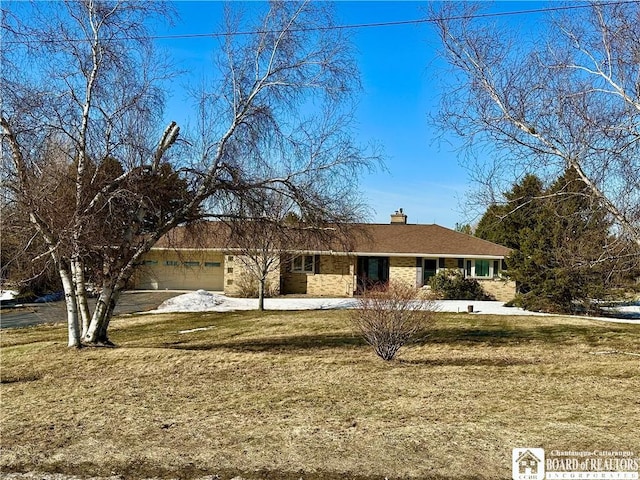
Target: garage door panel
164, 273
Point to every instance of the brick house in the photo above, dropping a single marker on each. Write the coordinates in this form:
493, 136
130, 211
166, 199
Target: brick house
375, 253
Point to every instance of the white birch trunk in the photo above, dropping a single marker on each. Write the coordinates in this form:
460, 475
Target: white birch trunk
77, 270
97, 332
101, 314
73, 325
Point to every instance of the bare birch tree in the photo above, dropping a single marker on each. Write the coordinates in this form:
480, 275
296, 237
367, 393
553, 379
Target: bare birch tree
83, 76
567, 97
260, 237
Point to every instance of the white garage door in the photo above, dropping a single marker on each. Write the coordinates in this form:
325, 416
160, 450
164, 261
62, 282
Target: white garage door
166, 273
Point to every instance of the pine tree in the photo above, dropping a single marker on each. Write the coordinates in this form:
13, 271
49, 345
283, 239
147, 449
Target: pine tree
557, 236
503, 223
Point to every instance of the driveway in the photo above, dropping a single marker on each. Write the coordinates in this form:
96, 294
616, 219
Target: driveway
54, 312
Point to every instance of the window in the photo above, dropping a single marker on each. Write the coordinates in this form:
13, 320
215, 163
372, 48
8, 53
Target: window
171, 263
482, 268
430, 269
191, 264
229, 269
150, 262
302, 264
212, 264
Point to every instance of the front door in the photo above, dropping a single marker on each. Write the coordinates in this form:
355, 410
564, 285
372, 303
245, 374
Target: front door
372, 272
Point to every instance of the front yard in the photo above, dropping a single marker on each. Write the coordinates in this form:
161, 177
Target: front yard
289, 395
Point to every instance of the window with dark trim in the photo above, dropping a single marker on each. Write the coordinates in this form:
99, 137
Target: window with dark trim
429, 270
302, 264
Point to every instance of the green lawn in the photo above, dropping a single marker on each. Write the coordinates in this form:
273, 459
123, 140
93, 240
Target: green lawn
289, 395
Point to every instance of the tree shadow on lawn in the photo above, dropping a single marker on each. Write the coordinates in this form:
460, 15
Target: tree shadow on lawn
313, 344
470, 361
454, 336
505, 336
285, 343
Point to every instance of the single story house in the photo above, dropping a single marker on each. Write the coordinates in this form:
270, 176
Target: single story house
376, 253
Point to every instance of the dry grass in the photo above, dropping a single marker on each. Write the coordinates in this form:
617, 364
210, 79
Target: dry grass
297, 395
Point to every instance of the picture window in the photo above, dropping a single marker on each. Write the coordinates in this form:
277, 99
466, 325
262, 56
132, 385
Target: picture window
482, 268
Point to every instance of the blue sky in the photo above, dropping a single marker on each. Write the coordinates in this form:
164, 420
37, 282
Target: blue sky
399, 71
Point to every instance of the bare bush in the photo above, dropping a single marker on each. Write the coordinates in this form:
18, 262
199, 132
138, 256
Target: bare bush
391, 316
248, 286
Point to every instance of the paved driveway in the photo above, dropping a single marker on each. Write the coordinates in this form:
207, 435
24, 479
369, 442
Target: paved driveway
37, 313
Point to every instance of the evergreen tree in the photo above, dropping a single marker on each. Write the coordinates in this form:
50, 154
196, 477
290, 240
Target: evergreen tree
557, 236
504, 223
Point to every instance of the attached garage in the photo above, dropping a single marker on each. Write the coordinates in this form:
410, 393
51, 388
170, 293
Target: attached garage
170, 270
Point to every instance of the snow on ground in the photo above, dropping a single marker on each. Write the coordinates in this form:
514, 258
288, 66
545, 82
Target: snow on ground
214, 302
8, 294
203, 301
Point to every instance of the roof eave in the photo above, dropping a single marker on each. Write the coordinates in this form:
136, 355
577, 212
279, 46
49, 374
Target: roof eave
340, 253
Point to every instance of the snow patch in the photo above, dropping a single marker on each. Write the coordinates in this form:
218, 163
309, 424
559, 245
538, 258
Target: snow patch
201, 329
199, 301
8, 294
203, 301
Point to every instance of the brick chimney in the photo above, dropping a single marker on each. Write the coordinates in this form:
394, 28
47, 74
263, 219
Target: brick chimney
398, 218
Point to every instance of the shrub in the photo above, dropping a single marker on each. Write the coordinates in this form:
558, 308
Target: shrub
247, 287
390, 317
451, 284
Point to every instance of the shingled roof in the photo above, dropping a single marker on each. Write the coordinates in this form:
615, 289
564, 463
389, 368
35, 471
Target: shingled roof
365, 239
423, 240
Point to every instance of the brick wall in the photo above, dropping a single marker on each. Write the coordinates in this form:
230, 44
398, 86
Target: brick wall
330, 285
502, 290
336, 278
237, 275
403, 270
294, 283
